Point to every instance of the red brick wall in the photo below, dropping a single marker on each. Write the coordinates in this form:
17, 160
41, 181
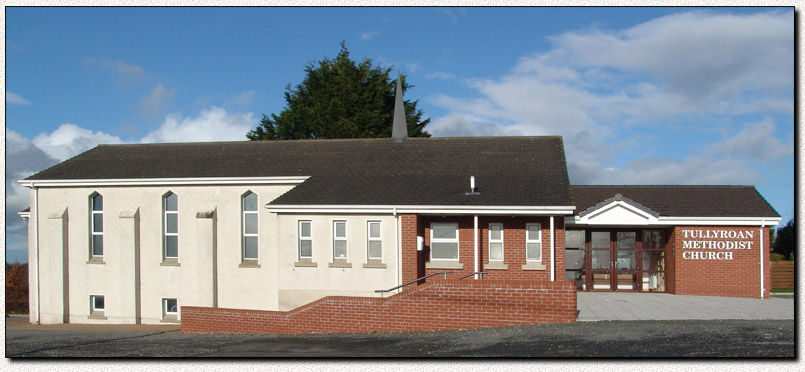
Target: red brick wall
436, 305
413, 261
514, 246
739, 277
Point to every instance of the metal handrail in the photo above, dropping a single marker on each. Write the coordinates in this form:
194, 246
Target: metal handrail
477, 272
414, 281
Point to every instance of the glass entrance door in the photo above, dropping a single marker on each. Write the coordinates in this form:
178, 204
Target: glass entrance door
625, 267
601, 260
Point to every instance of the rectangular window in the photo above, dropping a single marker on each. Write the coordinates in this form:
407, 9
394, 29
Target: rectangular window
305, 240
533, 242
444, 241
340, 240
170, 310
375, 246
170, 207
97, 307
249, 207
495, 242
97, 225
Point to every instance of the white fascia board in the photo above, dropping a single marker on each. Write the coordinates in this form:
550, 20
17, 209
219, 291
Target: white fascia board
165, 181
721, 221
693, 221
422, 209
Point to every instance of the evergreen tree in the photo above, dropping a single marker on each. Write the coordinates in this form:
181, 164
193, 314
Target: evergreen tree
786, 240
340, 99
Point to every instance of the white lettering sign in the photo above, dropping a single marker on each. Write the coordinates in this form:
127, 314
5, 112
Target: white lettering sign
714, 243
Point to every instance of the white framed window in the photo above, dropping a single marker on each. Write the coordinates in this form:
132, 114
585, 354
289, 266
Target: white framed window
97, 305
444, 241
374, 243
305, 240
250, 223
170, 208
170, 308
340, 240
533, 242
96, 224
495, 242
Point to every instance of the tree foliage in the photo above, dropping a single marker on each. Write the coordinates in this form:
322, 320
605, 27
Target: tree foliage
340, 98
16, 288
786, 240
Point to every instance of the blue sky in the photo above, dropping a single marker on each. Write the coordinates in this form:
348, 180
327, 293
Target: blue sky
640, 95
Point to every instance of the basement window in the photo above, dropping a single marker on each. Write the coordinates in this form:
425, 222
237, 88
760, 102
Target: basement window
97, 307
170, 310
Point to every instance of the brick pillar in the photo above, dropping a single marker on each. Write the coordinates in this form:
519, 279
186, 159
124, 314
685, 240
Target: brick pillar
410, 256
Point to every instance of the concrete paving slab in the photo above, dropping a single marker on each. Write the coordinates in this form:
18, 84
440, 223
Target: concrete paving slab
664, 306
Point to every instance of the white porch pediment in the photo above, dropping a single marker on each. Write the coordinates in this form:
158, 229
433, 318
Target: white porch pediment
618, 211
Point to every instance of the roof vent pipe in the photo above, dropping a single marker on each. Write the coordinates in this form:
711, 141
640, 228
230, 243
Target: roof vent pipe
473, 189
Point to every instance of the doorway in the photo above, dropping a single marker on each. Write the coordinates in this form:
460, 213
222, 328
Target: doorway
616, 259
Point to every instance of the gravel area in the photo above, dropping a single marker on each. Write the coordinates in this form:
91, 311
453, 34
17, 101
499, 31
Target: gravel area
677, 338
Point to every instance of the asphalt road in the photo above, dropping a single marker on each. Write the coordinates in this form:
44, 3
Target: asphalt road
677, 338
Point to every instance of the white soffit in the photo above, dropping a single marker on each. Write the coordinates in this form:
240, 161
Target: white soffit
166, 181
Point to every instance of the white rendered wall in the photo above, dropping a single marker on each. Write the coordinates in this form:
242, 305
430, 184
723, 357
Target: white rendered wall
191, 282
299, 285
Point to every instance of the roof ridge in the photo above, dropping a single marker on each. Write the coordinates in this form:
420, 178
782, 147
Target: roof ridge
665, 186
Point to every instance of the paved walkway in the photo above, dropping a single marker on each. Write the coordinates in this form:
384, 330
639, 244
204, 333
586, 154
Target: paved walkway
663, 306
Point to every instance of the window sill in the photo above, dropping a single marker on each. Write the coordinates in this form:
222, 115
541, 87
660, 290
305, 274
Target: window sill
534, 266
305, 262
170, 262
338, 263
444, 265
96, 260
249, 264
97, 315
374, 264
496, 265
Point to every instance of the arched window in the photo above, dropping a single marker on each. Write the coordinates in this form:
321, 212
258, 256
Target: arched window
249, 222
96, 225
170, 208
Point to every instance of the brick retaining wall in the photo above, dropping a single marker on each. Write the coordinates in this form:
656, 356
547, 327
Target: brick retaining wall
437, 305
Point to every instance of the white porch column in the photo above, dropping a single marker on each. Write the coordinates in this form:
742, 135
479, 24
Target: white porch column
553, 248
475, 245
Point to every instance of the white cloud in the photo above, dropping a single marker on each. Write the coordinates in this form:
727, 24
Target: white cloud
440, 75
213, 124
243, 99
412, 67
22, 160
598, 89
369, 35
16, 99
755, 140
126, 72
69, 140
157, 102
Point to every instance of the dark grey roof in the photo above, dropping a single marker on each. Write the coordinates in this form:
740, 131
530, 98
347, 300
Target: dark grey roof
509, 171
680, 201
